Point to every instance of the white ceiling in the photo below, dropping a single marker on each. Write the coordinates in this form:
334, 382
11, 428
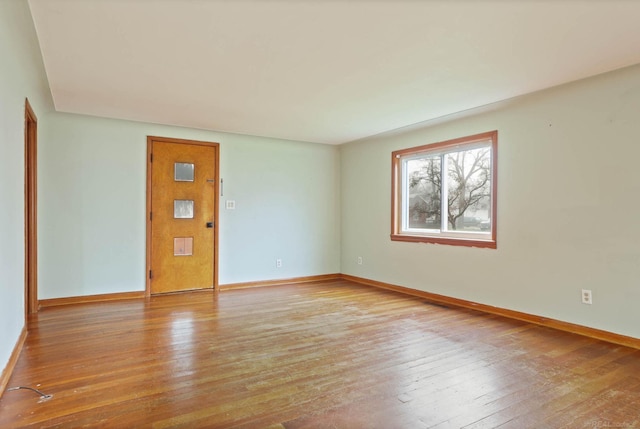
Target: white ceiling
319, 70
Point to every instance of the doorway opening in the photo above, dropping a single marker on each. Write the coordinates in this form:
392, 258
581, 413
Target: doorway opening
30, 210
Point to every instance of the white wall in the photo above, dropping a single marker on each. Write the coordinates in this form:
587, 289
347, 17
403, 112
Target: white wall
21, 75
568, 203
92, 206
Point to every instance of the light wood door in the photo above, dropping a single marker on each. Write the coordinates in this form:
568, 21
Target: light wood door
182, 201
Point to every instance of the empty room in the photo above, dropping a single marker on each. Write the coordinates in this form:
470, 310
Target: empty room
319, 214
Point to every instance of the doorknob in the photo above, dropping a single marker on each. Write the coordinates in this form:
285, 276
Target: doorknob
209, 224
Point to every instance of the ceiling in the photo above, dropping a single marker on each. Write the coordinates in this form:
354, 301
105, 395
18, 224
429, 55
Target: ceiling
320, 70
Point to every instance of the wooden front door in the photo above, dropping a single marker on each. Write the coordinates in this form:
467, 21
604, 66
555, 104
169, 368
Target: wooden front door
182, 201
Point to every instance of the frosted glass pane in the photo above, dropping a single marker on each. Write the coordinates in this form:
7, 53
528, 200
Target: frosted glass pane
183, 246
184, 172
183, 209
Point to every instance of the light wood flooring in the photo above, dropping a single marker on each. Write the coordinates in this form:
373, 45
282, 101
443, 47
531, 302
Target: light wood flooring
321, 355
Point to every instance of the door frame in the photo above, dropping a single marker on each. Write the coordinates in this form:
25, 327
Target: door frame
216, 205
30, 211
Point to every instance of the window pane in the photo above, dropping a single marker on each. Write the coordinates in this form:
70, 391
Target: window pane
183, 246
469, 190
184, 172
183, 209
423, 201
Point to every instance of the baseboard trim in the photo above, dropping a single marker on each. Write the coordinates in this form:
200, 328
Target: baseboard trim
55, 302
442, 299
13, 360
279, 282
525, 317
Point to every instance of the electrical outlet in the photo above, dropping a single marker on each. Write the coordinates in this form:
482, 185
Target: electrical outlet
231, 204
359, 260
278, 263
587, 297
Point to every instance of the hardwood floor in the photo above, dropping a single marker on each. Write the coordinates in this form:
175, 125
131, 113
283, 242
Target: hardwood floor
321, 355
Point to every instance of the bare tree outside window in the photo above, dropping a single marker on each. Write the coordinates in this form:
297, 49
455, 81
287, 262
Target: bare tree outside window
425, 190
469, 187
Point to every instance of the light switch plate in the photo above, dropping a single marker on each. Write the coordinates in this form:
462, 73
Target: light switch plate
231, 205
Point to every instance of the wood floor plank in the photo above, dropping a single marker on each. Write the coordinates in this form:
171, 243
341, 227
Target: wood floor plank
326, 354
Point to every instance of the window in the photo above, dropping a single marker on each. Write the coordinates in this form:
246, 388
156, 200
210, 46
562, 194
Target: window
446, 192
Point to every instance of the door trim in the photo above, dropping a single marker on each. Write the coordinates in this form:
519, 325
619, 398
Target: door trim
216, 146
30, 211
